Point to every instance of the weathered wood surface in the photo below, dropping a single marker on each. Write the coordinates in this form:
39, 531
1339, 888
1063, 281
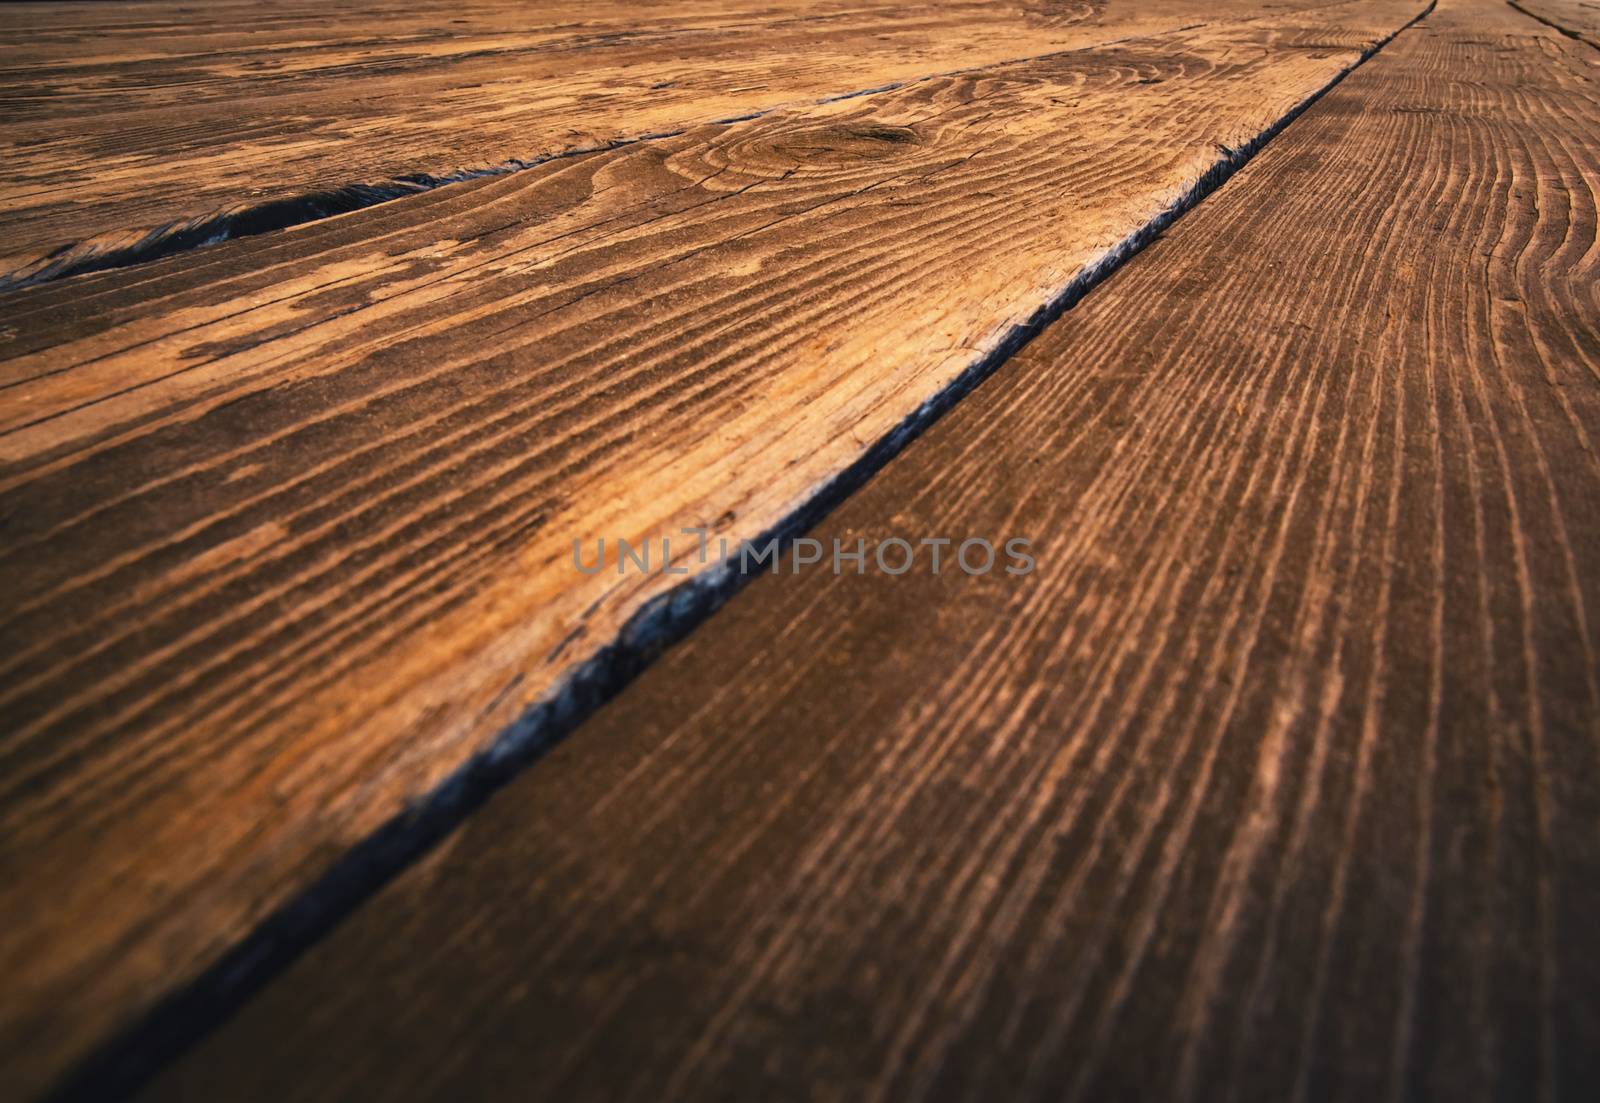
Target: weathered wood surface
122, 119
1578, 19
1278, 779
289, 521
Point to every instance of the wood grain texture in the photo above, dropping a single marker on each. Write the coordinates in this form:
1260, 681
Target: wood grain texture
1579, 19
289, 522
1278, 779
123, 121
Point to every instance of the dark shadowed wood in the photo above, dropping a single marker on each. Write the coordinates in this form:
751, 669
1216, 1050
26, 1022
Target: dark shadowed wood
122, 119
288, 523
1278, 779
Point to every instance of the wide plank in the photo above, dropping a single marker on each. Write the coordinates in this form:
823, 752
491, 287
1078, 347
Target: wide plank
289, 522
1278, 778
132, 128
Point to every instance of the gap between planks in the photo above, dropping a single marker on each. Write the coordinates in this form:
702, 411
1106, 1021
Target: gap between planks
1562, 16
1281, 783
189, 937
281, 158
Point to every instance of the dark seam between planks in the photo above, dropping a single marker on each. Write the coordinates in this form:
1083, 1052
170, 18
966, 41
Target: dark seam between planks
128, 1060
1576, 36
299, 210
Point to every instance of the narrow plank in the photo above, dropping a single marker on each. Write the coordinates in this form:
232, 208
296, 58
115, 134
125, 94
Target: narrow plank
1579, 19
124, 120
1277, 779
289, 523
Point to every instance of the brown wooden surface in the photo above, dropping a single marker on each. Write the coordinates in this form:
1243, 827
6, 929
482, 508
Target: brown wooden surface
1578, 19
121, 119
1278, 779
288, 521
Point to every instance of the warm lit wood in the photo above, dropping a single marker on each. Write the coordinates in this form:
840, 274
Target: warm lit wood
1277, 780
289, 520
124, 119
1579, 19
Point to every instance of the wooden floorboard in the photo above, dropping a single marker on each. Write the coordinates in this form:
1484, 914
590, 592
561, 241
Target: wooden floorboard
1579, 19
1277, 779
122, 121
289, 521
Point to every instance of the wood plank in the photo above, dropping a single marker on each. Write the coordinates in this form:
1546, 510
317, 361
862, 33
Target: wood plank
289, 523
1277, 779
1579, 19
129, 125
